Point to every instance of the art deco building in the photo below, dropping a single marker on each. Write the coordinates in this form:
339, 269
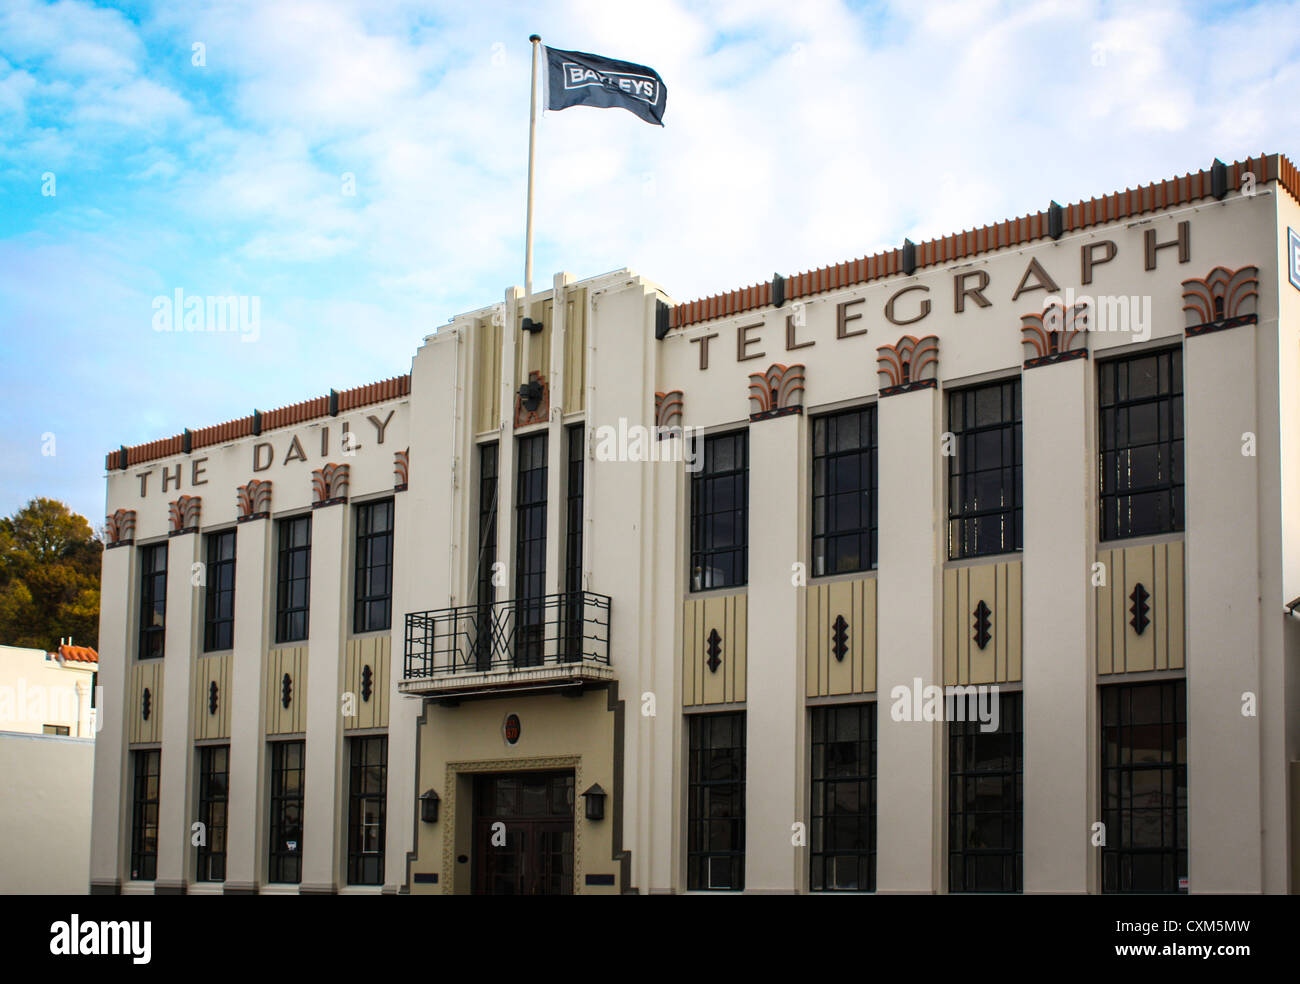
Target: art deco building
960, 567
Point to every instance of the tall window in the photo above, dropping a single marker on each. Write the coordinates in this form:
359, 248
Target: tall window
985, 799
984, 471
487, 552
530, 550
1144, 786
1141, 444
374, 580
844, 798
287, 774
367, 795
214, 795
293, 580
720, 513
844, 492
716, 807
144, 815
573, 519
153, 600
219, 604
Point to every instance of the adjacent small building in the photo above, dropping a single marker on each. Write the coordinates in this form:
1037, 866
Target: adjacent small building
963, 567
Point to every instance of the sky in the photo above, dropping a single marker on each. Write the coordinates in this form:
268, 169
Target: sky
358, 170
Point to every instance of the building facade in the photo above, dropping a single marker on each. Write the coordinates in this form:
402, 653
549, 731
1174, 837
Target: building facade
961, 567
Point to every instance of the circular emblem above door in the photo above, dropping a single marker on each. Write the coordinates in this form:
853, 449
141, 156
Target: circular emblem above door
512, 729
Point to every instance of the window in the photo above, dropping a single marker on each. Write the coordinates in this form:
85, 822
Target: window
219, 610
153, 600
716, 808
1141, 444
214, 794
374, 584
56, 729
144, 815
720, 513
367, 796
287, 774
844, 798
985, 797
573, 519
530, 550
1144, 787
293, 585
487, 552
844, 492
984, 471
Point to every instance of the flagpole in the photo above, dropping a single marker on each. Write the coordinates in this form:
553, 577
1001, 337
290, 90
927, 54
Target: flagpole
532, 152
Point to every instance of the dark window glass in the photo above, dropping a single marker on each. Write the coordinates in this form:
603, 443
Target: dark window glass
573, 520
367, 796
214, 797
844, 798
287, 775
720, 513
985, 798
716, 807
844, 492
374, 579
487, 551
56, 729
293, 583
1140, 434
219, 607
530, 550
144, 815
1144, 786
984, 471
153, 600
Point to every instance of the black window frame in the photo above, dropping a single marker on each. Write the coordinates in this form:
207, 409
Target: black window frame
970, 519
488, 488
153, 601
574, 516
707, 484
973, 769
292, 621
213, 812
1120, 768
707, 793
146, 765
839, 485
366, 753
219, 592
1116, 446
838, 834
284, 867
373, 603
531, 477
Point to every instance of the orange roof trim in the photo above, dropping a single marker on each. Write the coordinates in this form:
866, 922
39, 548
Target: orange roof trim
1013, 232
78, 654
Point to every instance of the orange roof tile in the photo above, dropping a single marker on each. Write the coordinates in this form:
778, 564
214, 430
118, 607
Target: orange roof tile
78, 654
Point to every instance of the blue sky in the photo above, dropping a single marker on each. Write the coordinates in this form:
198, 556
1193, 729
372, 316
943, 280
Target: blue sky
796, 135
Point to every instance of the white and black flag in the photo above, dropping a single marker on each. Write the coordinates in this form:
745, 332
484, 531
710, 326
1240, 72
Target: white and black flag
575, 78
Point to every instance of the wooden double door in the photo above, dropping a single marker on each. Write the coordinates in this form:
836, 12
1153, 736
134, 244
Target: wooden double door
523, 833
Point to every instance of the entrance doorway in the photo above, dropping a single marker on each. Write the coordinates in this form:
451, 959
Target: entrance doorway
523, 833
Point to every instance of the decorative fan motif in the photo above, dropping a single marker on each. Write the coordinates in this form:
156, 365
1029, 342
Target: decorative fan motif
329, 484
777, 392
401, 468
254, 499
119, 528
911, 363
668, 411
1222, 299
184, 514
1056, 335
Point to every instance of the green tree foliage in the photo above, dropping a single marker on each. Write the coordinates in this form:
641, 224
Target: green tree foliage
49, 577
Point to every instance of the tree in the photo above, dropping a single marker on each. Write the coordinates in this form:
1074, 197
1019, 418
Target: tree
49, 577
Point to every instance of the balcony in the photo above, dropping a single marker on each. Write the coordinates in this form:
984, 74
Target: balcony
548, 642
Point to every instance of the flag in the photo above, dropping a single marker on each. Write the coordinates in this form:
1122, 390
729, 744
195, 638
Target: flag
575, 78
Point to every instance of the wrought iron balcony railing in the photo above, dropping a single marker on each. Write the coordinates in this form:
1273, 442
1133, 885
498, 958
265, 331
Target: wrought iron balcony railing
518, 634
